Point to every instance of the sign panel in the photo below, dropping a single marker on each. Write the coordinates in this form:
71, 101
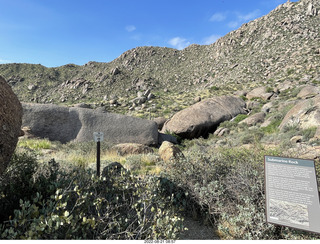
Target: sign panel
98, 136
292, 197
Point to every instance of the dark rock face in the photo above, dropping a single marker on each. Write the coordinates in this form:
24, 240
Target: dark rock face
66, 124
204, 117
10, 123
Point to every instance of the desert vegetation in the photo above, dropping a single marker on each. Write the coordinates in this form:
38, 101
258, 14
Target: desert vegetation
51, 191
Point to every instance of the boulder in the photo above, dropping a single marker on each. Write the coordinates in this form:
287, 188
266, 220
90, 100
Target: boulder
285, 86
311, 10
252, 105
160, 122
65, 124
260, 92
254, 119
267, 107
308, 91
166, 137
131, 148
10, 123
240, 93
82, 105
27, 133
204, 117
221, 132
296, 139
168, 151
305, 114
197, 99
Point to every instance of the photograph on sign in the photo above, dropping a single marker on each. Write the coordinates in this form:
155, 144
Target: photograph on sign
292, 197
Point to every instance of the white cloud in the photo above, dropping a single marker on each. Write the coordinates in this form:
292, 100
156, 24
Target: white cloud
233, 24
179, 43
250, 16
130, 28
210, 39
3, 61
218, 17
243, 18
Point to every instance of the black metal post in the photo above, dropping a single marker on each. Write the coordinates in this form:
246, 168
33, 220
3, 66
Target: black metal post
98, 158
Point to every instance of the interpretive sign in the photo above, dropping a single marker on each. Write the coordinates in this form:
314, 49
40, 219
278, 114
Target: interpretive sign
98, 136
292, 196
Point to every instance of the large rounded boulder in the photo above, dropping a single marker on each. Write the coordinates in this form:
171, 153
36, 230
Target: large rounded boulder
305, 114
10, 123
65, 124
204, 117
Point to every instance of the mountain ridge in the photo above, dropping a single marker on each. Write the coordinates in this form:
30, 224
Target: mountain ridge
280, 46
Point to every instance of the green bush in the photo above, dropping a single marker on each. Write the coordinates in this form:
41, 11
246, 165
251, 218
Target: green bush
240, 117
35, 144
83, 206
16, 183
308, 133
273, 127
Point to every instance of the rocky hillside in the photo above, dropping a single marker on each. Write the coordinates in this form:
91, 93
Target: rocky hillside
283, 46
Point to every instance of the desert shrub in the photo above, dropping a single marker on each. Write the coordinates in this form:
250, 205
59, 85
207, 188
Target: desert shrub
142, 164
231, 124
35, 144
273, 127
16, 183
228, 185
244, 98
83, 206
240, 117
308, 133
251, 136
214, 89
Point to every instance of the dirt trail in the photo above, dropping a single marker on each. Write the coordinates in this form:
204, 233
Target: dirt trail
197, 231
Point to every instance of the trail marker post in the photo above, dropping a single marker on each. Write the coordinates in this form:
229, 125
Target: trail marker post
98, 137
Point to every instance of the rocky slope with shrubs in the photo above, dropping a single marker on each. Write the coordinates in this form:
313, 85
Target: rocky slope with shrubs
279, 47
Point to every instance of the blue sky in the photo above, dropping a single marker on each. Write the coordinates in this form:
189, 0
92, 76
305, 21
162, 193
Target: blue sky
58, 32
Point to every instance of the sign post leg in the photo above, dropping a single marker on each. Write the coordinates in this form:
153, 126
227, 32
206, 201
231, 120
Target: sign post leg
98, 158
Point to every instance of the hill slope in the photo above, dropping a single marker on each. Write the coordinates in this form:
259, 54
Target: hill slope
283, 45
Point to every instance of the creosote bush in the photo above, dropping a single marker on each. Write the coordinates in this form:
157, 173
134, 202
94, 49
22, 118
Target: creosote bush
56, 203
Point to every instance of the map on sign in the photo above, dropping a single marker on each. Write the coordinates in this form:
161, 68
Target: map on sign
292, 197
98, 136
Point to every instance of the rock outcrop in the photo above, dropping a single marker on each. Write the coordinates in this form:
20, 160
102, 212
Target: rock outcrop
254, 119
305, 114
65, 124
260, 92
204, 117
10, 123
308, 91
168, 151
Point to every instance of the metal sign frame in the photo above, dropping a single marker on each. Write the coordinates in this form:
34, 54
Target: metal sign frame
292, 196
98, 136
